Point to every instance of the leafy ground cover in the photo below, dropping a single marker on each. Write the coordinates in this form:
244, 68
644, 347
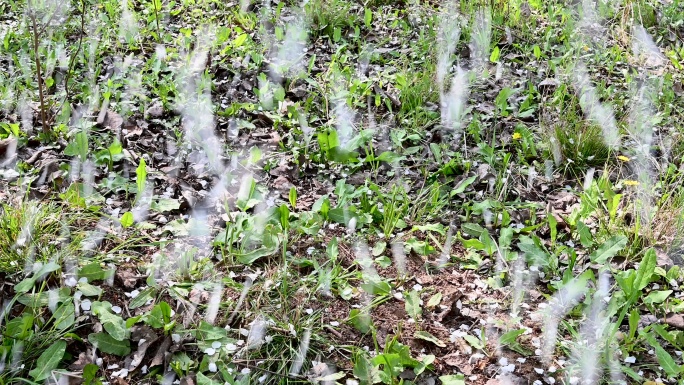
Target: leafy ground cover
209, 192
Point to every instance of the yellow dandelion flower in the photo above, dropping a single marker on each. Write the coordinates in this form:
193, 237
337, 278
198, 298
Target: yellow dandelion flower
517, 136
586, 48
631, 183
623, 158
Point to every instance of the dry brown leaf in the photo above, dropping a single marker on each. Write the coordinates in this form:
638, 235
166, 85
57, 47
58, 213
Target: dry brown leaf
675, 320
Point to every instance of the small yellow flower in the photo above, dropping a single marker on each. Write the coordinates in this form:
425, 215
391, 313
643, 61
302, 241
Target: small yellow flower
631, 183
586, 48
517, 136
623, 158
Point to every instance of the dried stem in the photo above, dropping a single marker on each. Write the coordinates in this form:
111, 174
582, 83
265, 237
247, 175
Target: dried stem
72, 63
36, 55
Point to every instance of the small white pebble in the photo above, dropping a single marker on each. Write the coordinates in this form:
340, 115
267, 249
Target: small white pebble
216, 344
212, 367
539, 370
116, 309
551, 380
630, 360
508, 368
334, 323
231, 347
175, 338
417, 287
245, 371
503, 361
210, 351
85, 305
309, 311
521, 360
552, 369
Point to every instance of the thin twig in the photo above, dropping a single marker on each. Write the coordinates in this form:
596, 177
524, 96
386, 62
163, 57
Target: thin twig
72, 63
32, 16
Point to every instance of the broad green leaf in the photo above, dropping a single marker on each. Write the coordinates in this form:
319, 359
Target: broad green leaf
657, 297
664, 358
472, 229
49, 360
586, 238
553, 227
126, 219
28, 283
463, 185
163, 205
364, 370
434, 300
453, 379
375, 287
293, 197
209, 332
109, 345
436, 227
383, 261
90, 375
112, 323
25, 285
474, 341
412, 305
423, 364
367, 17
361, 320
240, 40
159, 316
511, 337
494, 57
533, 253
65, 315
94, 272
389, 157
379, 248
204, 380
19, 327
142, 298
608, 249
423, 335
626, 281
141, 176
89, 290
646, 269
252, 256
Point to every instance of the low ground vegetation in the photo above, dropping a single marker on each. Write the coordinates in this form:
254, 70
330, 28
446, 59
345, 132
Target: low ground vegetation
210, 192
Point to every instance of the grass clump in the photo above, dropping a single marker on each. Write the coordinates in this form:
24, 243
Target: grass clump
27, 234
